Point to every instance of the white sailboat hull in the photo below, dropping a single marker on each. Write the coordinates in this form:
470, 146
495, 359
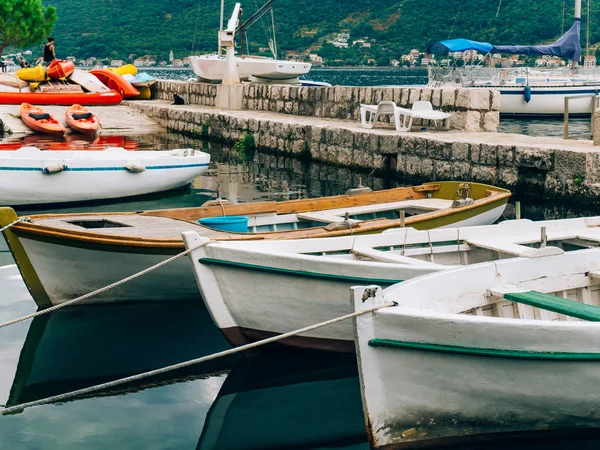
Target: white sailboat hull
546, 100
29, 176
212, 68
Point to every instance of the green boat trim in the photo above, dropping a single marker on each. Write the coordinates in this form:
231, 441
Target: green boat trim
298, 273
30, 276
488, 352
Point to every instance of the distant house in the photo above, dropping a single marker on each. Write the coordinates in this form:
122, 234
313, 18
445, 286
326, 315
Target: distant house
71, 58
162, 63
117, 63
427, 60
589, 61
178, 62
186, 61
341, 40
315, 59
394, 63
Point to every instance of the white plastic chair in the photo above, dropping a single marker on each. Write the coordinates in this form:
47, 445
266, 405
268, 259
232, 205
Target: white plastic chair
424, 110
401, 115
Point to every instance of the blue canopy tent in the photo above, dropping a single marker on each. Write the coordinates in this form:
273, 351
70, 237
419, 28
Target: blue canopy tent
568, 46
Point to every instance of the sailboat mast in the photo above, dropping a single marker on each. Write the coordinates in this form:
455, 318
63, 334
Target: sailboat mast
577, 14
221, 25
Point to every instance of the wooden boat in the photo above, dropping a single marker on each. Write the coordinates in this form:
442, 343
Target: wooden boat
60, 68
116, 82
82, 120
60, 98
39, 120
104, 247
87, 81
36, 73
504, 347
286, 285
29, 176
9, 82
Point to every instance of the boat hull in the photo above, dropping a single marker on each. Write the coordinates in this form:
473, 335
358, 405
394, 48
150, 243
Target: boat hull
431, 374
274, 295
545, 100
60, 98
115, 82
47, 126
212, 68
86, 125
31, 177
88, 81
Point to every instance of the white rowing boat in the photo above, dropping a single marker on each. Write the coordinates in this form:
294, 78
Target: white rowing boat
29, 176
254, 290
496, 348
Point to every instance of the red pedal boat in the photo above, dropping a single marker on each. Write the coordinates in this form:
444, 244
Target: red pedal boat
82, 120
39, 120
116, 82
60, 68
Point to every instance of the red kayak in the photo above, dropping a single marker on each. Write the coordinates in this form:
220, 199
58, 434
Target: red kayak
116, 82
60, 68
60, 98
82, 120
39, 120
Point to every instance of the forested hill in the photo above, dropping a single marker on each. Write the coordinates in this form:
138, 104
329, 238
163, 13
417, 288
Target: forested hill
119, 28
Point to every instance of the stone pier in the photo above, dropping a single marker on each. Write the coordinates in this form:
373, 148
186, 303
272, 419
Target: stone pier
532, 167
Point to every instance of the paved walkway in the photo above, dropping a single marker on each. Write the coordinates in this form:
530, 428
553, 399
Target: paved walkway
114, 120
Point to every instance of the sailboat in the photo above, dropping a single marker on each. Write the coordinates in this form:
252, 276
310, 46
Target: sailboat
525, 91
214, 68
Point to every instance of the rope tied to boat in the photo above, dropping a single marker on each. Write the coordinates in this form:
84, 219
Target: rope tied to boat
110, 384
20, 219
105, 288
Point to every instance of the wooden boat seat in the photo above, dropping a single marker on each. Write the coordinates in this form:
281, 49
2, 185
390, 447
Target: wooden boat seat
510, 248
39, 116
388, 257
323, 216
556, 304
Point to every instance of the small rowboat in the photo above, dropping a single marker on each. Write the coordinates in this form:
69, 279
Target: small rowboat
313, 276
116, 82
60, 68
39, 120
482, 352
82, 120
107, 242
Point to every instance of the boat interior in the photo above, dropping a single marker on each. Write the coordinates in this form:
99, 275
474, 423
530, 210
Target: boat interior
380, 209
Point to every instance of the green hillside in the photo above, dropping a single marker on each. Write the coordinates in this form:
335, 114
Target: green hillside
120, 28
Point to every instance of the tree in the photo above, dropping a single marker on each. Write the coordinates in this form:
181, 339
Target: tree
24, 22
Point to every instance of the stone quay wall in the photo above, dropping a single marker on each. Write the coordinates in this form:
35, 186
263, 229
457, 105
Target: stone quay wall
530, 171
472, 109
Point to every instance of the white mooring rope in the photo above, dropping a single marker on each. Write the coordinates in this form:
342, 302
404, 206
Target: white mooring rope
104, 289
68, 395
20, 219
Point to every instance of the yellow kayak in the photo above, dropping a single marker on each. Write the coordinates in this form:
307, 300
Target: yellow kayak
126, 69
37, 73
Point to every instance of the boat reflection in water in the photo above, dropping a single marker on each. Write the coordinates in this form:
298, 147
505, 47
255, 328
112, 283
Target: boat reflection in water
78, 347
290, 399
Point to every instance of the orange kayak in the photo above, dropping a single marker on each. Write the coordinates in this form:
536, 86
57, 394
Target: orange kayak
82, 120
60, 98
60, 68
39, 120
116, 82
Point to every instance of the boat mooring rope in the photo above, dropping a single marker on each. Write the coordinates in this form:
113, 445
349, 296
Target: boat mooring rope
68, 395
104, 289
20, 219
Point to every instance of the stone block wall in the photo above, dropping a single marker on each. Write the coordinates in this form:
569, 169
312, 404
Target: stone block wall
530, 171
192, 93
472, 109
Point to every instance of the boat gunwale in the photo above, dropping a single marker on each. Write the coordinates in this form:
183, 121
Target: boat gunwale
372, 226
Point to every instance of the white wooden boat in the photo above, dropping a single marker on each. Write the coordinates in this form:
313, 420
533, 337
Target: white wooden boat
29, 176
88, 81
503, 347
97, 249
286, 285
